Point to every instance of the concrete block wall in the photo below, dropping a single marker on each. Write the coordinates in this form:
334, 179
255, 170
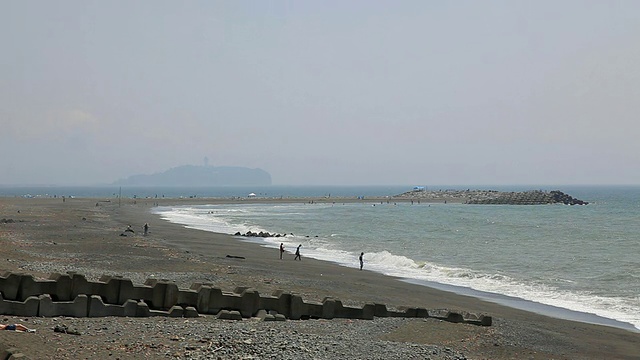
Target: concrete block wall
29, 307
79, 307
314, 310
72, 295
97, 308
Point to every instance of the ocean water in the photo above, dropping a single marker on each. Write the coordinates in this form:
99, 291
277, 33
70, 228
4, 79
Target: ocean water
576, 262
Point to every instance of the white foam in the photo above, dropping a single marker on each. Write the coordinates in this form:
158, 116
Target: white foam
203, 219
624, 310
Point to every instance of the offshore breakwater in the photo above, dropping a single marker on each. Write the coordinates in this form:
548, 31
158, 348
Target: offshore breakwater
532, 197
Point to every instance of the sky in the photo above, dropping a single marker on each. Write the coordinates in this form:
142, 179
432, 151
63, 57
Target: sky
322, 92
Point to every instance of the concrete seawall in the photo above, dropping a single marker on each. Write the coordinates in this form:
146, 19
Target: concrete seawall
72, 295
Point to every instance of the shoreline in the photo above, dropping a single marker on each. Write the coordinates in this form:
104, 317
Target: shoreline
50, 235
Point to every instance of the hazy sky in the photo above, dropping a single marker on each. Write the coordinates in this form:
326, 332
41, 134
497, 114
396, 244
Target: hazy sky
322, 92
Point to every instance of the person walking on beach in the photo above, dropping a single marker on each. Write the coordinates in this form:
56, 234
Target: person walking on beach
281, 250
146, 229
298, 253
361, 260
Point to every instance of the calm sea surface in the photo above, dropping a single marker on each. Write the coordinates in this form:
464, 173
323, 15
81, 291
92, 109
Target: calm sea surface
580, 258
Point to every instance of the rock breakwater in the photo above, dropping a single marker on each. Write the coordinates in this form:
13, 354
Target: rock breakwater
532, 197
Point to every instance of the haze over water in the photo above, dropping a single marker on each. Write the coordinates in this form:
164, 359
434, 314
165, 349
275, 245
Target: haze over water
322, 92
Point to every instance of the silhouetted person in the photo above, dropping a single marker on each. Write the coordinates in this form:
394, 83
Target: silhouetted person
361, 260
281, 250
146, 229
298, 253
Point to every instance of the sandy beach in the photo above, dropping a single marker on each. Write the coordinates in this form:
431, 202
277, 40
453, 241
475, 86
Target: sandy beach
83, 235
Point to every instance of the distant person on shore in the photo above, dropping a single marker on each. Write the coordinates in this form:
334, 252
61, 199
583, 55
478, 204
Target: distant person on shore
146, 229
281, 250
298, 253
361, 260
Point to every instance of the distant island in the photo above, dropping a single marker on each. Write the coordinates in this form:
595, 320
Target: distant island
192, 175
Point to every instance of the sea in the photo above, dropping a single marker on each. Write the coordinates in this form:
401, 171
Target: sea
573, 262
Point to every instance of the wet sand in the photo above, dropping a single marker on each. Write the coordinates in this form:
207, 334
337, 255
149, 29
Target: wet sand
82, 235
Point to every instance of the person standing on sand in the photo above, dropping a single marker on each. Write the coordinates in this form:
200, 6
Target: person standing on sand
281, 250
298, 253
361, 260
146, 229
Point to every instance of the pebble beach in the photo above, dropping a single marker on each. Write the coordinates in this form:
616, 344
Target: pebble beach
41, 236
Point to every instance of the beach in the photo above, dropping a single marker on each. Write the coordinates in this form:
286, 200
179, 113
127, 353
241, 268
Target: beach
47, 235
